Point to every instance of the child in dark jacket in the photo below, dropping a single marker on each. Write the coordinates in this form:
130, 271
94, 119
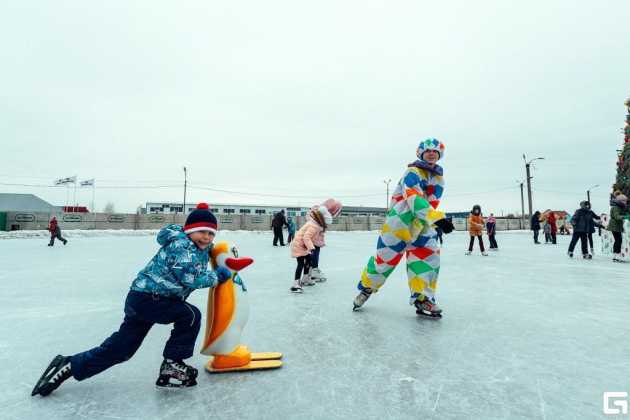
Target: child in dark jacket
157, 296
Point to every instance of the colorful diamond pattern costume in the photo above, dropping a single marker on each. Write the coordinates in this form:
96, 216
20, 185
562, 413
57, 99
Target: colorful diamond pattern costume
408, 229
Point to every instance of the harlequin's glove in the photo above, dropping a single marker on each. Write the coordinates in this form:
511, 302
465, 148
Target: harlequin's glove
446, 225
223, 274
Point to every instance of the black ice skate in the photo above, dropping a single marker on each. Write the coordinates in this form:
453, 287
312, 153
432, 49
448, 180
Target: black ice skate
428, 309
176, 374
55, 374
361, 298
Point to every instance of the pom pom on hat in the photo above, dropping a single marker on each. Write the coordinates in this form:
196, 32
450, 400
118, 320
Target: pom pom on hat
333, 206
201, 219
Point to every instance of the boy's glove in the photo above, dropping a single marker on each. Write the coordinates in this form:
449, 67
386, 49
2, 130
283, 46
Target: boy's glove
446, 225
223, 274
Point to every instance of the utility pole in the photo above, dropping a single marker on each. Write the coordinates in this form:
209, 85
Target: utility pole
588, 192
185, 184
529, 181
387, 181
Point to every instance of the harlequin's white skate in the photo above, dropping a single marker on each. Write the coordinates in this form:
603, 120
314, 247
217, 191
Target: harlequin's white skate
361, 298
428, 308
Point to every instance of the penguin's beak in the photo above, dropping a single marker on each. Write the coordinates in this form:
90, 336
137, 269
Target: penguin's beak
237, 264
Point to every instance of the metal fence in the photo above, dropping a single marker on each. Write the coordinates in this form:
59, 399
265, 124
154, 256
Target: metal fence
87, 221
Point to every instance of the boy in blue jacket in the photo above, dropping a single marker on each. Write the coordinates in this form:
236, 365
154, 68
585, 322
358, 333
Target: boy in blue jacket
157, 296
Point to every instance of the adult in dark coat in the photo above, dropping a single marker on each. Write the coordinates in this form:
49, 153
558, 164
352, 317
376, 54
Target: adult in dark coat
535, 225
581, 222
277, 223
55, 232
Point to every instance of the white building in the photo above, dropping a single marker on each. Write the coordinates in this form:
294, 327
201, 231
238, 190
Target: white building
252, 209
248, 209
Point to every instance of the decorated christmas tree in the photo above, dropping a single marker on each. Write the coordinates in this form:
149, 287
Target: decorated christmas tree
623, 164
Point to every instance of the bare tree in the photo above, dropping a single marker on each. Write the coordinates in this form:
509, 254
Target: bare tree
109, 207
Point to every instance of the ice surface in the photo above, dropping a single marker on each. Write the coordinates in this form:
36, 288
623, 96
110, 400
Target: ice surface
527, 333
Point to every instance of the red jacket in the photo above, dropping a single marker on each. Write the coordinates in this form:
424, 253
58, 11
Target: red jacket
551, 219
52, 226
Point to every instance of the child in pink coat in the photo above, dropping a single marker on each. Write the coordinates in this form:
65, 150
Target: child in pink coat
333, 208
303, 245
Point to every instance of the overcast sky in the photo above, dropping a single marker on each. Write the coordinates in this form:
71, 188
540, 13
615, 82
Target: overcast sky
305, 100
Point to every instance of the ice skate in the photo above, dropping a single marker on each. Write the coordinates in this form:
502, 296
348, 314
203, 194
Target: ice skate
317, 275
484, 253
587, 256
176, 374
55, 374
570, 254
617, 258
468, 253
361, 298
428, 308
297, 286
307, 280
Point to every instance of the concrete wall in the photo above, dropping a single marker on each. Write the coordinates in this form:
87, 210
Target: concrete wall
70, 221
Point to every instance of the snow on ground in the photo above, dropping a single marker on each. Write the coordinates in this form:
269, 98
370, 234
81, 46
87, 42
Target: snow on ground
527, 333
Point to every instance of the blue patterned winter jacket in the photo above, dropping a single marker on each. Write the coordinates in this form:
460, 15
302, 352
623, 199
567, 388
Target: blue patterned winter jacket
177, 269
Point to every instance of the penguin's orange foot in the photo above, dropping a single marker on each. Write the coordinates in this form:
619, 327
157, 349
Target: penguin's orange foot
239, 357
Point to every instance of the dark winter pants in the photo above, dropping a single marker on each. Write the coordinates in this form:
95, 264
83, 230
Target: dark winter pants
536, 236
617, 244
493, 241
303, 263
472, 241
56, 235
142, 310
582, 236
277, 235
590, 240
290, 237
315, 257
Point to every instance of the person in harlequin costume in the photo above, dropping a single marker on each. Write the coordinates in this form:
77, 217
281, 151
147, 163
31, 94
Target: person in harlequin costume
409, 230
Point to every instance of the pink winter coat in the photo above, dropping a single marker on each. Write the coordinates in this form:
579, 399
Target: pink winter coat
319, 240
304, 241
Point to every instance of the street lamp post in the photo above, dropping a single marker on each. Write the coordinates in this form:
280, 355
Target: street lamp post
387, 181
529, 181
588, 192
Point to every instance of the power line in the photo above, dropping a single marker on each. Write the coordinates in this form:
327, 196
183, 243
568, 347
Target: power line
205, 188
484, 192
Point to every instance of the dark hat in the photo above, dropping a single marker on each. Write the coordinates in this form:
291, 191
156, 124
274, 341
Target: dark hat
201, 219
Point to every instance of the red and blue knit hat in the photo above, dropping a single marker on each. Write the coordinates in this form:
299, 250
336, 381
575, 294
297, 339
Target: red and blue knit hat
201, 219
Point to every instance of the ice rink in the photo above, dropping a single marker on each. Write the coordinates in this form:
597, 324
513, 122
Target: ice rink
527, 333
